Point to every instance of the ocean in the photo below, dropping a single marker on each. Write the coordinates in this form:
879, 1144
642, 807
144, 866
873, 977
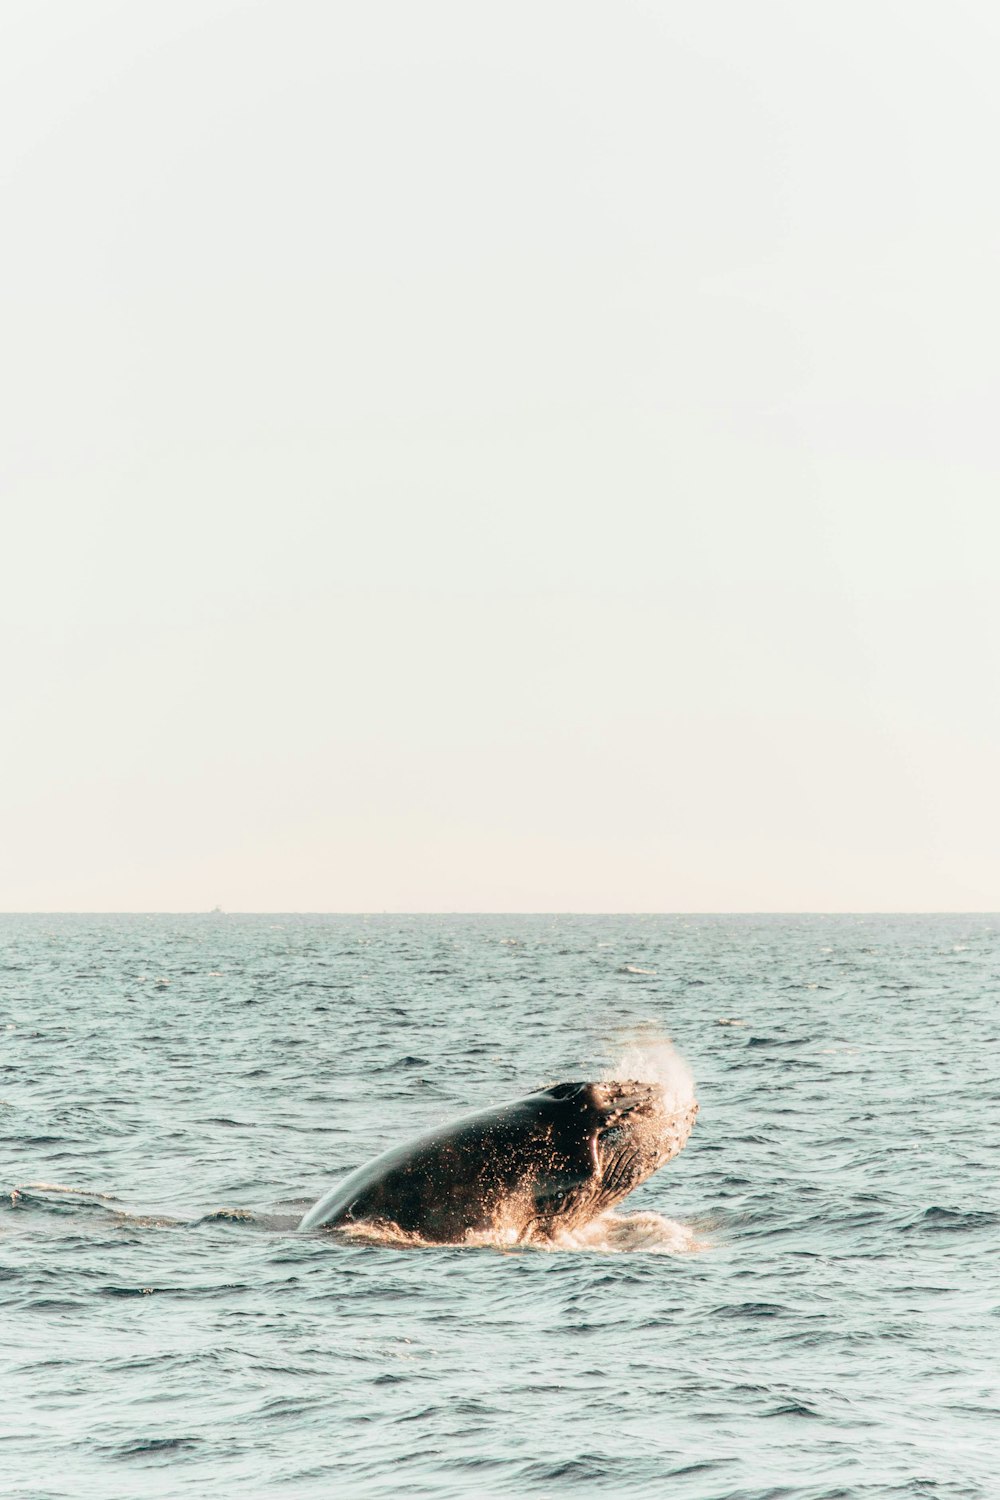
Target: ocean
803, 1305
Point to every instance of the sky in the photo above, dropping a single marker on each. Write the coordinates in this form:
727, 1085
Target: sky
536, 456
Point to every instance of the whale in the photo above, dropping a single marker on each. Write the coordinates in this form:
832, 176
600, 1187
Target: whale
522, 1171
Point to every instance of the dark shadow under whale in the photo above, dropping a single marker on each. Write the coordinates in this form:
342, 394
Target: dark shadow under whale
552, 1160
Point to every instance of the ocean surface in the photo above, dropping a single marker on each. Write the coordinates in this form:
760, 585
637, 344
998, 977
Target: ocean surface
804, 1305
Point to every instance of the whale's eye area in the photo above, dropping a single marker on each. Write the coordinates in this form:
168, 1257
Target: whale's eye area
560, 1195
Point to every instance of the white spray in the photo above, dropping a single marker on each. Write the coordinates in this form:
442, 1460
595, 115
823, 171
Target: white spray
650, 1057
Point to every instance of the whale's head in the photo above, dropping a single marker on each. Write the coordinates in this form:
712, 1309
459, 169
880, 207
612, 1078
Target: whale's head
630, 1129
640, 1129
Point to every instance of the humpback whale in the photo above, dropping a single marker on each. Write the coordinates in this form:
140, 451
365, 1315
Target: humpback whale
554, 1159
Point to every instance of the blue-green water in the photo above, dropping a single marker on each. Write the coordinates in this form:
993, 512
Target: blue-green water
818, 1315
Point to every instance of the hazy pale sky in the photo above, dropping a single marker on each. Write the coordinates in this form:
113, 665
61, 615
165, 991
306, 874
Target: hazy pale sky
524, 456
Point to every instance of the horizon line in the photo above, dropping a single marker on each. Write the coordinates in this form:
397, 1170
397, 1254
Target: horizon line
483, 912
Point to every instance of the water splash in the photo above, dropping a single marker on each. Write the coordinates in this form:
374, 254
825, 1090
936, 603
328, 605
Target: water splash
649, 1056
609, 1234
623, 1234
